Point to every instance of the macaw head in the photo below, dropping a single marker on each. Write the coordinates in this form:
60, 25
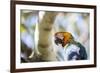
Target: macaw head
63, 38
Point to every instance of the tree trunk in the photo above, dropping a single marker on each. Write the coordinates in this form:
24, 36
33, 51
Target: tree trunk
45, 45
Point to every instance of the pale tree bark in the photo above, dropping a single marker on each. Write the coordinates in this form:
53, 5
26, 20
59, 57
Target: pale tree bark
45, 50
45, 45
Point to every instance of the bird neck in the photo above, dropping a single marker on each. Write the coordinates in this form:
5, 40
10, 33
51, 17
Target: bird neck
73, 42
66, 45
70, 43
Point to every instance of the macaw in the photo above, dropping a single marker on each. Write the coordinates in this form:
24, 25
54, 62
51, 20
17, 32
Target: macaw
73, 50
